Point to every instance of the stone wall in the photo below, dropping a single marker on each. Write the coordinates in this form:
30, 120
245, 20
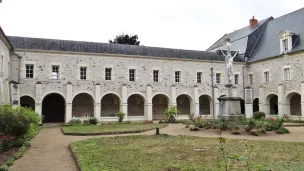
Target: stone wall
4, 72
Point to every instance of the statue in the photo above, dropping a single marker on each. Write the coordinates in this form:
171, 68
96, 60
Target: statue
229, 61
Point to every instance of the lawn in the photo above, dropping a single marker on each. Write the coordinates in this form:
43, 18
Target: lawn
162, 153
110, 128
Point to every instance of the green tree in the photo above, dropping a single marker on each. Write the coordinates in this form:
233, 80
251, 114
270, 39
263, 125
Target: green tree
125, 39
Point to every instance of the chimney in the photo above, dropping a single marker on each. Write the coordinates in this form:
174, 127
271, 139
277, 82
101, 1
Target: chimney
253, 22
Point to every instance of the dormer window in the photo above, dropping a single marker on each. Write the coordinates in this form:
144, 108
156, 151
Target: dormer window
287, 40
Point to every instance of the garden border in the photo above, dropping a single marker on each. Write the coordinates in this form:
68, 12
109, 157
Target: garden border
109, 133
74, 157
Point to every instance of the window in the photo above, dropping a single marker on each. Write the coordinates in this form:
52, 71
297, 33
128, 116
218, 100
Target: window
266, 77
177, 76
29, 70
55, 72
250, 79
155, 75
108, 73
285, 45
218, 78
132, 75
83, 73
236, 78
199, 77
287, 74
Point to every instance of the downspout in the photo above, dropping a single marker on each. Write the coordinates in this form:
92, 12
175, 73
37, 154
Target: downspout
212, 93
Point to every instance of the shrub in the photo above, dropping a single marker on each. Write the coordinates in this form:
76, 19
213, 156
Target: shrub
191, 116
258, 115
223, 124
286, 131
6, 142
75, 122
282, 130
194, 128
235, 132
170, 113
85, 122
187, 126
120, 116
93, 121
18, 142
258, 132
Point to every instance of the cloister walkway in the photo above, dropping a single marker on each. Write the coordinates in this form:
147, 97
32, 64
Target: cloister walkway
49, 149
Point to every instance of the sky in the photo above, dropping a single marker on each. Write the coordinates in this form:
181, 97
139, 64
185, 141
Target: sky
181, 24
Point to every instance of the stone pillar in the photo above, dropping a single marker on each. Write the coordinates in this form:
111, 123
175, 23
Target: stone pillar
69, 100
124, 100
38, 100
234, 91
97, 104
302, 98
173, 95
216, 102
248, 102
1, 92
196, 109
15, 94
148, 110
281, 100
263, 107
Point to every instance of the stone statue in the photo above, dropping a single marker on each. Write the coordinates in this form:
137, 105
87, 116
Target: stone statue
229, 61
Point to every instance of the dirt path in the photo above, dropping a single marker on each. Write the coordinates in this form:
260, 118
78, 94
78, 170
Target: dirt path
49, 149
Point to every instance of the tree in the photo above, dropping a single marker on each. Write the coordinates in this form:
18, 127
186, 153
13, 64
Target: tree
125, 39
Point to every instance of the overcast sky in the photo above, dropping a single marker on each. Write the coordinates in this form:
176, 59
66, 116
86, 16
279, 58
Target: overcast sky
183, 24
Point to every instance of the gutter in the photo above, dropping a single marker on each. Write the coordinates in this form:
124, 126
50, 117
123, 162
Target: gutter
212, 87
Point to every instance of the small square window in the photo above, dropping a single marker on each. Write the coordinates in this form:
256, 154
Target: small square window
155, 75
29, 71
250, 79
108, 72
236, 78
218, 78
285, 45
177, 76
287, 74
199, 77
55, 72
132, 75
83, 73
266, 77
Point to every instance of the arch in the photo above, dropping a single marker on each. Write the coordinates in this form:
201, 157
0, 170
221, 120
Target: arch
164, 94
293, 99
84, 92
27, 101
187, 94
205, 104
53, 108
111, 92
272, 102
136, 105
184, 102
255, 105
83, 105
138, 93
160, 103
109, 105
51, 92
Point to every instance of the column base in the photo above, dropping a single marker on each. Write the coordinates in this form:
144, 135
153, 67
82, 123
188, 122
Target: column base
248, 110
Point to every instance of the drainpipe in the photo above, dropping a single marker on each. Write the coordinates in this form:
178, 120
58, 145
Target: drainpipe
213, 107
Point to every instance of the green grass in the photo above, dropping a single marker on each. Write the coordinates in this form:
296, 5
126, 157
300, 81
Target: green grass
160, 153
109, 128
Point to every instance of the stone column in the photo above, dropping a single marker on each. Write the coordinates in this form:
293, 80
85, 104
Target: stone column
148, 111
281, 100
15, 94
248, 102
97, 104
124, 100
216, 102
69, 100
263, 107
38, 100
1, 92
234, 91
173, 95
302, 98
196, 109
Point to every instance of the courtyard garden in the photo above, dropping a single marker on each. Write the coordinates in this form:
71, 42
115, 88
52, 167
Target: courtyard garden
17, 127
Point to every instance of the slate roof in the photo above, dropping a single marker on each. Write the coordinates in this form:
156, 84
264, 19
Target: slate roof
5, 37
108, 48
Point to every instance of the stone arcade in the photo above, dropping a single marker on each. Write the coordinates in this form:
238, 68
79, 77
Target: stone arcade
63, 79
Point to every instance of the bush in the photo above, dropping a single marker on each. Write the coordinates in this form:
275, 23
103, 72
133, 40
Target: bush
85, 122
258, 132
194, 128
223, 124
258, 115
120, 116
282, 130
75, 122
170, 113
235, 132
6, 142
191, 116
93, 121
187, 126
18, 142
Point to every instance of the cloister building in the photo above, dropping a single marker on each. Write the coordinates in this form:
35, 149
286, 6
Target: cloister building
63, 79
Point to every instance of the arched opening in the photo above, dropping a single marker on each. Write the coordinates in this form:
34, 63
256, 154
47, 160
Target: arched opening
272, 101
53, 108
110, 105
136, 105
83, 105
160, 103
294, 99
184, 104
256, 105
205, 105
28, 102
242, 103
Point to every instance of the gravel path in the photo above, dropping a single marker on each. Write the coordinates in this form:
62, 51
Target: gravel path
49, 149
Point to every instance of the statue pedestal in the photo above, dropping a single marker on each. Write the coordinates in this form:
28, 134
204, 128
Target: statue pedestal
230, 107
